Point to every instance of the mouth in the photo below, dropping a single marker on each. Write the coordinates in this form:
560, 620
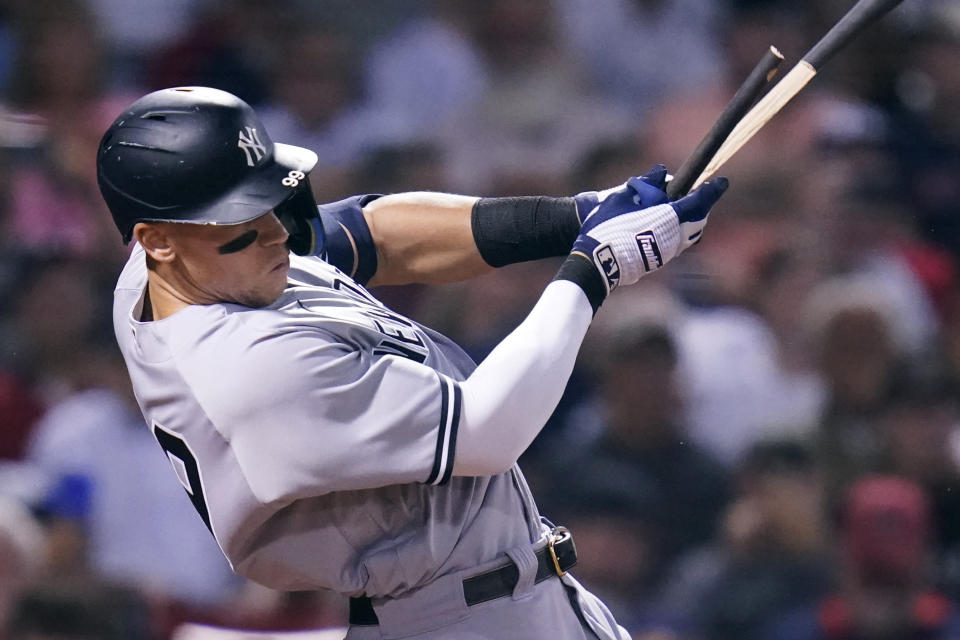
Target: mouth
283, 264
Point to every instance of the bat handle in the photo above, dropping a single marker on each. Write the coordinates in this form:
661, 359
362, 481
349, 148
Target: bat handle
748, 93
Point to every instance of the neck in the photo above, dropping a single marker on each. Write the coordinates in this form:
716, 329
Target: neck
164, 299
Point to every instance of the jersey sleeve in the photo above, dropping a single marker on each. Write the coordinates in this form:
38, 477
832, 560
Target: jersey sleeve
308, 415
348, 244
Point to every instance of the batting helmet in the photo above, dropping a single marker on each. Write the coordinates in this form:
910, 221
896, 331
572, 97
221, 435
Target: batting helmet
197, 155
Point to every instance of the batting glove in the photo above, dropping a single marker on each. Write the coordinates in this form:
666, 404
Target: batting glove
657, 177
634, 230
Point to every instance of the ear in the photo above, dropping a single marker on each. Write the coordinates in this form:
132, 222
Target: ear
155, 241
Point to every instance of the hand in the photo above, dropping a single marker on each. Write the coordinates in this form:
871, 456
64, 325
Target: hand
634, 230
657, 178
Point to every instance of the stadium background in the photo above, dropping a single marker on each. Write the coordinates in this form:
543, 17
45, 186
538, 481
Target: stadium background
706, 449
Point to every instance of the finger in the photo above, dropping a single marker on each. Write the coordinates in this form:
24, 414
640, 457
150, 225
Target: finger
696, 205
645, 194
656, 176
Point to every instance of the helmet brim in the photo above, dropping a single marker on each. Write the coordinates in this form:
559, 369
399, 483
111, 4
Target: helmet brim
271, 185
274, 181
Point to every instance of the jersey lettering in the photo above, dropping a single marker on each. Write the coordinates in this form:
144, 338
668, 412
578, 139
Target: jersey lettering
185, 466
403, 338
391, 348
355, 292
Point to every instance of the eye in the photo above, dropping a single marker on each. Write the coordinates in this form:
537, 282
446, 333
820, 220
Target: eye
239, 243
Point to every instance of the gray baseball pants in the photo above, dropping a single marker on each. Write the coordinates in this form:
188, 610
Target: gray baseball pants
555, 609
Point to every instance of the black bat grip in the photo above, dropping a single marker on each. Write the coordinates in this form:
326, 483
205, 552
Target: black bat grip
748, 93
856, 20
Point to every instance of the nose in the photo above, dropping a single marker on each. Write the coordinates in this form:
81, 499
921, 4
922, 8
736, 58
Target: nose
273, 231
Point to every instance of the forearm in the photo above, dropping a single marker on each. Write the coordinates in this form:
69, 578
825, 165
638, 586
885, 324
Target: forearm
435, 237
510, 396
423, 237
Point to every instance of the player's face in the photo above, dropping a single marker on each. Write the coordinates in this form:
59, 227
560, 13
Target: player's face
244, 263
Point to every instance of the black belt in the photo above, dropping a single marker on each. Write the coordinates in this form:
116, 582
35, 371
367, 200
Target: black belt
555, 559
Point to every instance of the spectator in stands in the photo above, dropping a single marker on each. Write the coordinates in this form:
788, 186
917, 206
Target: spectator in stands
315, 96
539, 110
53, 202
426, 71
94, 440
851, 339
921, 429
79, 610
616, 36
640, 405
771, 554
225, 44
885, 590
22, 553
50, 317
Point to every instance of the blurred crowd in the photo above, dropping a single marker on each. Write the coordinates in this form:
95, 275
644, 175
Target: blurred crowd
760, 442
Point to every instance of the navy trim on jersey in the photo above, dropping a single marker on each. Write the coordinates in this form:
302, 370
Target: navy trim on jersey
450, 401
454, 425
348, 244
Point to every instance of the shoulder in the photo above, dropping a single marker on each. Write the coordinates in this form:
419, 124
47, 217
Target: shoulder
239, 357
314, 271
225, 334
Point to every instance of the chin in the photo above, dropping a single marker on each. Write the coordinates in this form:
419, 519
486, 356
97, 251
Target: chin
268, 291
259, 299
255, 303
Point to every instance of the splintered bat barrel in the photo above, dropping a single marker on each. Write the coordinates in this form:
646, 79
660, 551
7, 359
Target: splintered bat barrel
745, 97
858, 18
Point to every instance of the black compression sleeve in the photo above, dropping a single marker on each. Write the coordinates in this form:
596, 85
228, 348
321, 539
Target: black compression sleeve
580, 270
509, 230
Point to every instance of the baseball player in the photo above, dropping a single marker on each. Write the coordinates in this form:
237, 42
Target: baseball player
326, 441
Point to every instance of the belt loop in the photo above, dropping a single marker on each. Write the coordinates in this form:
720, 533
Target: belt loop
526, 560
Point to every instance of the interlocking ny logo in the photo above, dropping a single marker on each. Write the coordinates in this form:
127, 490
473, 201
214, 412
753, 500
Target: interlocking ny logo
251, 145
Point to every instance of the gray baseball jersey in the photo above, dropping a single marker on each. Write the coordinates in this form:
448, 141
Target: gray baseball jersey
316, 436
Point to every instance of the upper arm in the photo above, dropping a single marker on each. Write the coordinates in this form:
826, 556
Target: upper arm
423, 237
417, 237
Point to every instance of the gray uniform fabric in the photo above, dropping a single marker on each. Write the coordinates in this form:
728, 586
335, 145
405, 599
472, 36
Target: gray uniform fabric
316, 439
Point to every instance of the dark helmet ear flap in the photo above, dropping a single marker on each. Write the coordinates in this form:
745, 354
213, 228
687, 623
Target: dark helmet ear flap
300, 218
